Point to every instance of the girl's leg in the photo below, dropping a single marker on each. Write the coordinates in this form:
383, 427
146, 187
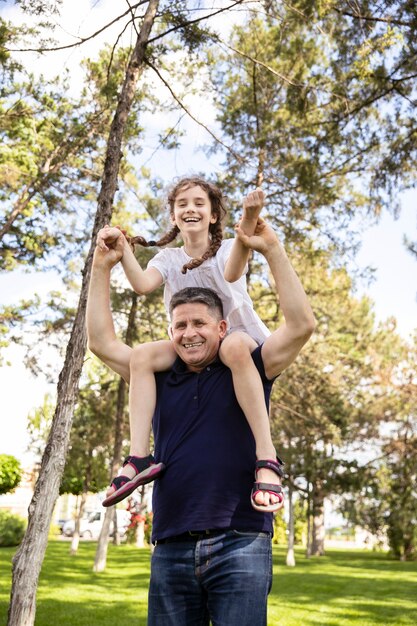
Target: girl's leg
235, 352
146, 360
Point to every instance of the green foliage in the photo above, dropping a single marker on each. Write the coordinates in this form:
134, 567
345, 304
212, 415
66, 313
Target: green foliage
319, 103
40, 7
401, 496
177, 18
12, 529
382, 495
88, 460
12, 317
332, 399
280, 529
39, 425
10, 473
300, 525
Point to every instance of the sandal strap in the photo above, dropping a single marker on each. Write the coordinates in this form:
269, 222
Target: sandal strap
139, 463
271, 488
119, 481
275, 466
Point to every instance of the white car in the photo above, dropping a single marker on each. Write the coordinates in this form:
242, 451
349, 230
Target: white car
90, 527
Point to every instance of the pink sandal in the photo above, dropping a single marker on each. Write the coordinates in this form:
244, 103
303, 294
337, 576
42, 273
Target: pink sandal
275, 490
146, 471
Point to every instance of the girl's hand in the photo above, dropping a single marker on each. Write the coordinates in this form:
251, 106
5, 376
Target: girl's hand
252, 204
107, 237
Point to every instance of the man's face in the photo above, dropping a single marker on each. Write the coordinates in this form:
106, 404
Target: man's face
196, 334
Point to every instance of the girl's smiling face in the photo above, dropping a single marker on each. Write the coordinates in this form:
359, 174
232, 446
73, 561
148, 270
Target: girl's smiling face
192, 210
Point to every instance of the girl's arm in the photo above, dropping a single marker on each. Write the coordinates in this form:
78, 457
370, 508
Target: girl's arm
142, 281
236, 263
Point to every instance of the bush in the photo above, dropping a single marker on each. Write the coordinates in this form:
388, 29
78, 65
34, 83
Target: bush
10, 473
12, 529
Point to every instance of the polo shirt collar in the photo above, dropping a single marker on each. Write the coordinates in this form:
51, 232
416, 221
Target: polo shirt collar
180, 367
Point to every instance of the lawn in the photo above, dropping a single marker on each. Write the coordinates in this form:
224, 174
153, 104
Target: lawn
343, 588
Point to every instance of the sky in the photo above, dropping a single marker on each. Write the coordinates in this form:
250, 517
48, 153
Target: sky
394, 290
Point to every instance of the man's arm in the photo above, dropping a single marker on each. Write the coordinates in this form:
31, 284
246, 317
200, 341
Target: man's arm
102, 339
281, 348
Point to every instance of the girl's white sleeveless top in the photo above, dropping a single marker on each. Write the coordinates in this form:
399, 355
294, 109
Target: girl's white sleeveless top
238, 307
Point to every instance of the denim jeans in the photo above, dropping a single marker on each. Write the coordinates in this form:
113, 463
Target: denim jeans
223, 580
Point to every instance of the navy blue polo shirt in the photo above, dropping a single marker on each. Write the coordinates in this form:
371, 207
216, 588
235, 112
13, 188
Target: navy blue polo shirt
204, 439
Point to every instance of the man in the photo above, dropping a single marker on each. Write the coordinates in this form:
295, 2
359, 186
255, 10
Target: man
212, 559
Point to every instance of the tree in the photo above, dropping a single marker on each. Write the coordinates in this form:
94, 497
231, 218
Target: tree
101, 553
86, 468
326, 407
26, 564
28, 560
383, 498
319, 103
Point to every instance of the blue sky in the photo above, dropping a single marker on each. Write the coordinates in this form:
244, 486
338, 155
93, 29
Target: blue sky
394, 290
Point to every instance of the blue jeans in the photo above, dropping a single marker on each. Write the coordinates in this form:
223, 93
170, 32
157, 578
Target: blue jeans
225, 579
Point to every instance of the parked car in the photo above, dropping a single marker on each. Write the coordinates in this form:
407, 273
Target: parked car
61, 523
90, 527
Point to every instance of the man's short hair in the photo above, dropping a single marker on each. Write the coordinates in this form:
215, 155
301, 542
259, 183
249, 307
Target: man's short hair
202, 295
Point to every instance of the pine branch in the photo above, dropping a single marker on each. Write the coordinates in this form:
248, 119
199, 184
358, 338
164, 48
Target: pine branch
81, 39
186, 109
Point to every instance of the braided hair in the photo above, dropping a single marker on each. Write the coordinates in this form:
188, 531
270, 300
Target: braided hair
215, 230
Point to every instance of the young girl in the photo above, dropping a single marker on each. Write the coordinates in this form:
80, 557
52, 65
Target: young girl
205, 260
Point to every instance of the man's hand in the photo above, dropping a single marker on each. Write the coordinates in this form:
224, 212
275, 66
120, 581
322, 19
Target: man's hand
110, 245
263, 240
107, 237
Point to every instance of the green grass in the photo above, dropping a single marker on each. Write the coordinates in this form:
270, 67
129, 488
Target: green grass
344, 588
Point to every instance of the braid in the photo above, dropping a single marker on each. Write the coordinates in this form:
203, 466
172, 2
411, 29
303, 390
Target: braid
166, 239
216, 240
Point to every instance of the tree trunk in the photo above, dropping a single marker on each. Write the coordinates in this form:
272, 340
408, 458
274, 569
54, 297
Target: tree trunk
140, 529
29, 557
308, 547
76, 535
100, 560
140, 534
408, 548
291, 529
317, 544
103, 541
116, 533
